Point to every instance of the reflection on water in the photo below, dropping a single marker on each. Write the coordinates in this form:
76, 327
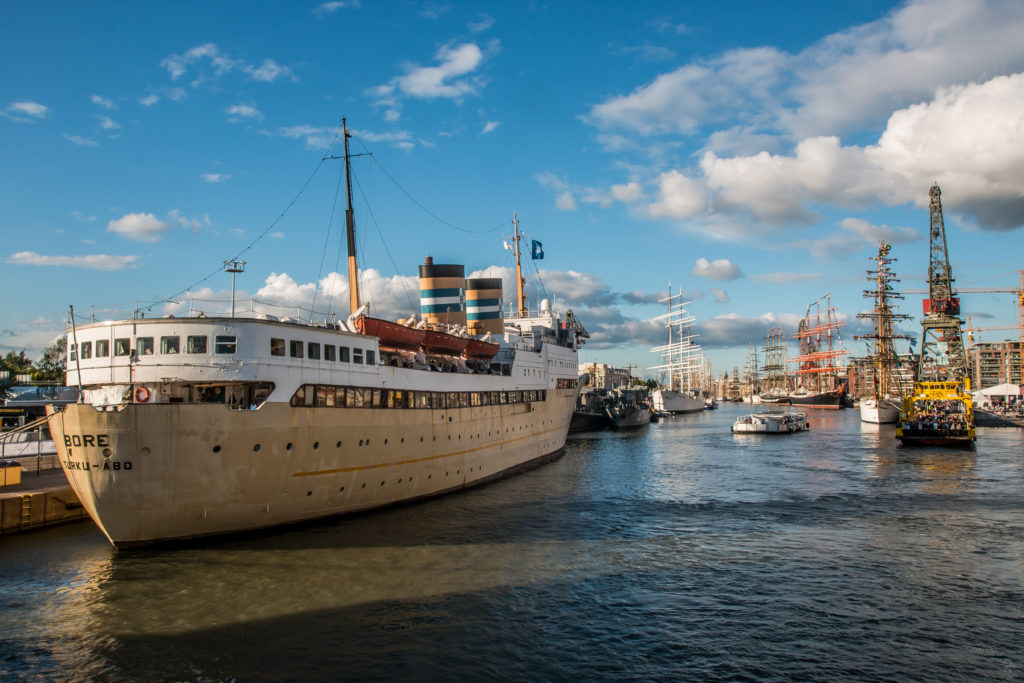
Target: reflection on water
678, 551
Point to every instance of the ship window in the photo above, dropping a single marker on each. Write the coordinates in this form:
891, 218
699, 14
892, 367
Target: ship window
296, 349
144, 345
122, 346
463, 399
410, 400
225, 343
102, 348
299, 396
71, 353
343, 354
376, 399
370, 357
357, 355
167, 345
276, 346
195, 343
330, 352
474, 398
86, 350
313, 351
321, 395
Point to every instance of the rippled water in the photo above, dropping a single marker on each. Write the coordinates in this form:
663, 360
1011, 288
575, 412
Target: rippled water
678, 552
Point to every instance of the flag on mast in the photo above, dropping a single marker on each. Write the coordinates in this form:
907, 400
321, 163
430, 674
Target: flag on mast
536, 250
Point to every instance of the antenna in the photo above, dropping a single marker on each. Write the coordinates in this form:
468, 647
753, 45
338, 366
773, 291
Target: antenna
233, 267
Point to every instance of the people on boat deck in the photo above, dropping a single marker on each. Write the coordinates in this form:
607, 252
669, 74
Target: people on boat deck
944, 414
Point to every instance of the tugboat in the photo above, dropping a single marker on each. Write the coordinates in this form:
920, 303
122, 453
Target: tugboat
628, 409
883, 405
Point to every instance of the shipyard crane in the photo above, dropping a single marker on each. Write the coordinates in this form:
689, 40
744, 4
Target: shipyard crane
1018, 300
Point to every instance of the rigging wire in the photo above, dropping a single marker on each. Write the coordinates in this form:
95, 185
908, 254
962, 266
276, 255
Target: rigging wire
376, 225
327, 241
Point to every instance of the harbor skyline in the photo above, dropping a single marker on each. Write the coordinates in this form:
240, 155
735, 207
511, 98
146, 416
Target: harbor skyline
752, 162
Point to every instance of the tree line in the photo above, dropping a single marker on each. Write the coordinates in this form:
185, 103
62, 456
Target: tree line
48, 368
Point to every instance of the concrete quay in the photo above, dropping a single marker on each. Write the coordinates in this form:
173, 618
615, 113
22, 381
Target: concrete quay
43, 498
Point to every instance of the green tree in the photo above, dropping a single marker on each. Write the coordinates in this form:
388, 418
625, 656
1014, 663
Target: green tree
16, 363
52, 363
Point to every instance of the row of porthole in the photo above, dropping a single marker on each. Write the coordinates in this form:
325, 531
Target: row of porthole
363, 486
363, 442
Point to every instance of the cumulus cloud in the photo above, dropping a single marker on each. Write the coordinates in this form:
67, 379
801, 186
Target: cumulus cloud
209, 56
720, 295
90, 261
490, 126
627, 192
80, 141
244, 111
216, 177
103, 102
483, 23
143, 227
678, 197
194, 225
452, 78
107, 123
326, 8
565, 201
719, 269
26, 112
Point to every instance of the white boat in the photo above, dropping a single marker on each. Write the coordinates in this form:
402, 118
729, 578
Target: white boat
771, 422
883, 410
202, 425
682, 361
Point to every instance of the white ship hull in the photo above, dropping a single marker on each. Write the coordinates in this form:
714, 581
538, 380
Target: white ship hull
883, 411
182, 471
669, 401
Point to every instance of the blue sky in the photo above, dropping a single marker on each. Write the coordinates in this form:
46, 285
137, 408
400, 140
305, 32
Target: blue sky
752, 155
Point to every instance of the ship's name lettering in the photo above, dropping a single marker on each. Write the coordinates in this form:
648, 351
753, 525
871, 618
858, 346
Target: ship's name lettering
96, 440
106, 465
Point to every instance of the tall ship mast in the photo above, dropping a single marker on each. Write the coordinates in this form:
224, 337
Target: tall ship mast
882, 404
682, 361
775, 389
207, 424
751, 377
818, 384
940, 410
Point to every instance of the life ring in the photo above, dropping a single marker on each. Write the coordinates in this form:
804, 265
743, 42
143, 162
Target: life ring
142, 395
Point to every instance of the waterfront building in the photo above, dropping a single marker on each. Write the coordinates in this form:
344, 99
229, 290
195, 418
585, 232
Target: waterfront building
992, 363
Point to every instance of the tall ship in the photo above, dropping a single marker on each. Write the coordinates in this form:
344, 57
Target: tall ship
775, 386
817, 374
209, 424
883, 402
940, 409
751, 377
682, 362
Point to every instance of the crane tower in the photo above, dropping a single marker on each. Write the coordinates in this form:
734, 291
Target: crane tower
942, 345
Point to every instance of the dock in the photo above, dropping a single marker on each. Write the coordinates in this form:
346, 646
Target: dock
41, 499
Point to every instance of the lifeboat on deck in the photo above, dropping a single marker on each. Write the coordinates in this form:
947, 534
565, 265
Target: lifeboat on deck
391, 334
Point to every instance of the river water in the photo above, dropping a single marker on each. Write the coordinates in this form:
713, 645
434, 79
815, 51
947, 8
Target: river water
678, 552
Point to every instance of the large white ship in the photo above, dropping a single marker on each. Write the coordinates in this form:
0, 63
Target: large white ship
682, 362
193, 426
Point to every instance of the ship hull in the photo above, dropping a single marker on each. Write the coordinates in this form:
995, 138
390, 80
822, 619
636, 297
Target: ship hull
881, 411
587, 422
829, 400
675, 402
150, 473
937, 438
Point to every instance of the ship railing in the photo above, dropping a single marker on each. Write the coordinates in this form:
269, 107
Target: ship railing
198, 307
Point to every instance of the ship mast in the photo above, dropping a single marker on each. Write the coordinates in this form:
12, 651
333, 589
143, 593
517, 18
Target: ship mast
885, 359
350, 229
521, 300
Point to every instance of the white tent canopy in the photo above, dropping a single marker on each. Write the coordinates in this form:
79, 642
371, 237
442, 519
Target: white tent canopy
1000, 391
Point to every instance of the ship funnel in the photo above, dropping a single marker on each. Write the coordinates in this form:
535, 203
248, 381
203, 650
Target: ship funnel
484, 305
442, 293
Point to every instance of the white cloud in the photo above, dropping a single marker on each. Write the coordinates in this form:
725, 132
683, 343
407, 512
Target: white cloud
244, 111
719, 269
720, 295
91, 261
19, 110
149, 100
144, 227
628, 192
483, 23
80, 141
326, 8
678, 197
216, 177
880, 233
194, 225
490, 126
79, 216
270, 71
565, 201
107, 123
102, 102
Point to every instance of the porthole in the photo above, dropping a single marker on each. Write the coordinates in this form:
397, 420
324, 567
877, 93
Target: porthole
256, 448
338, 445
216, 449
402, 440
363, 486
421, 439
316, 445
341, 489
288, 446
399, 481
385, 442
309, 493
360, 443
382, 483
